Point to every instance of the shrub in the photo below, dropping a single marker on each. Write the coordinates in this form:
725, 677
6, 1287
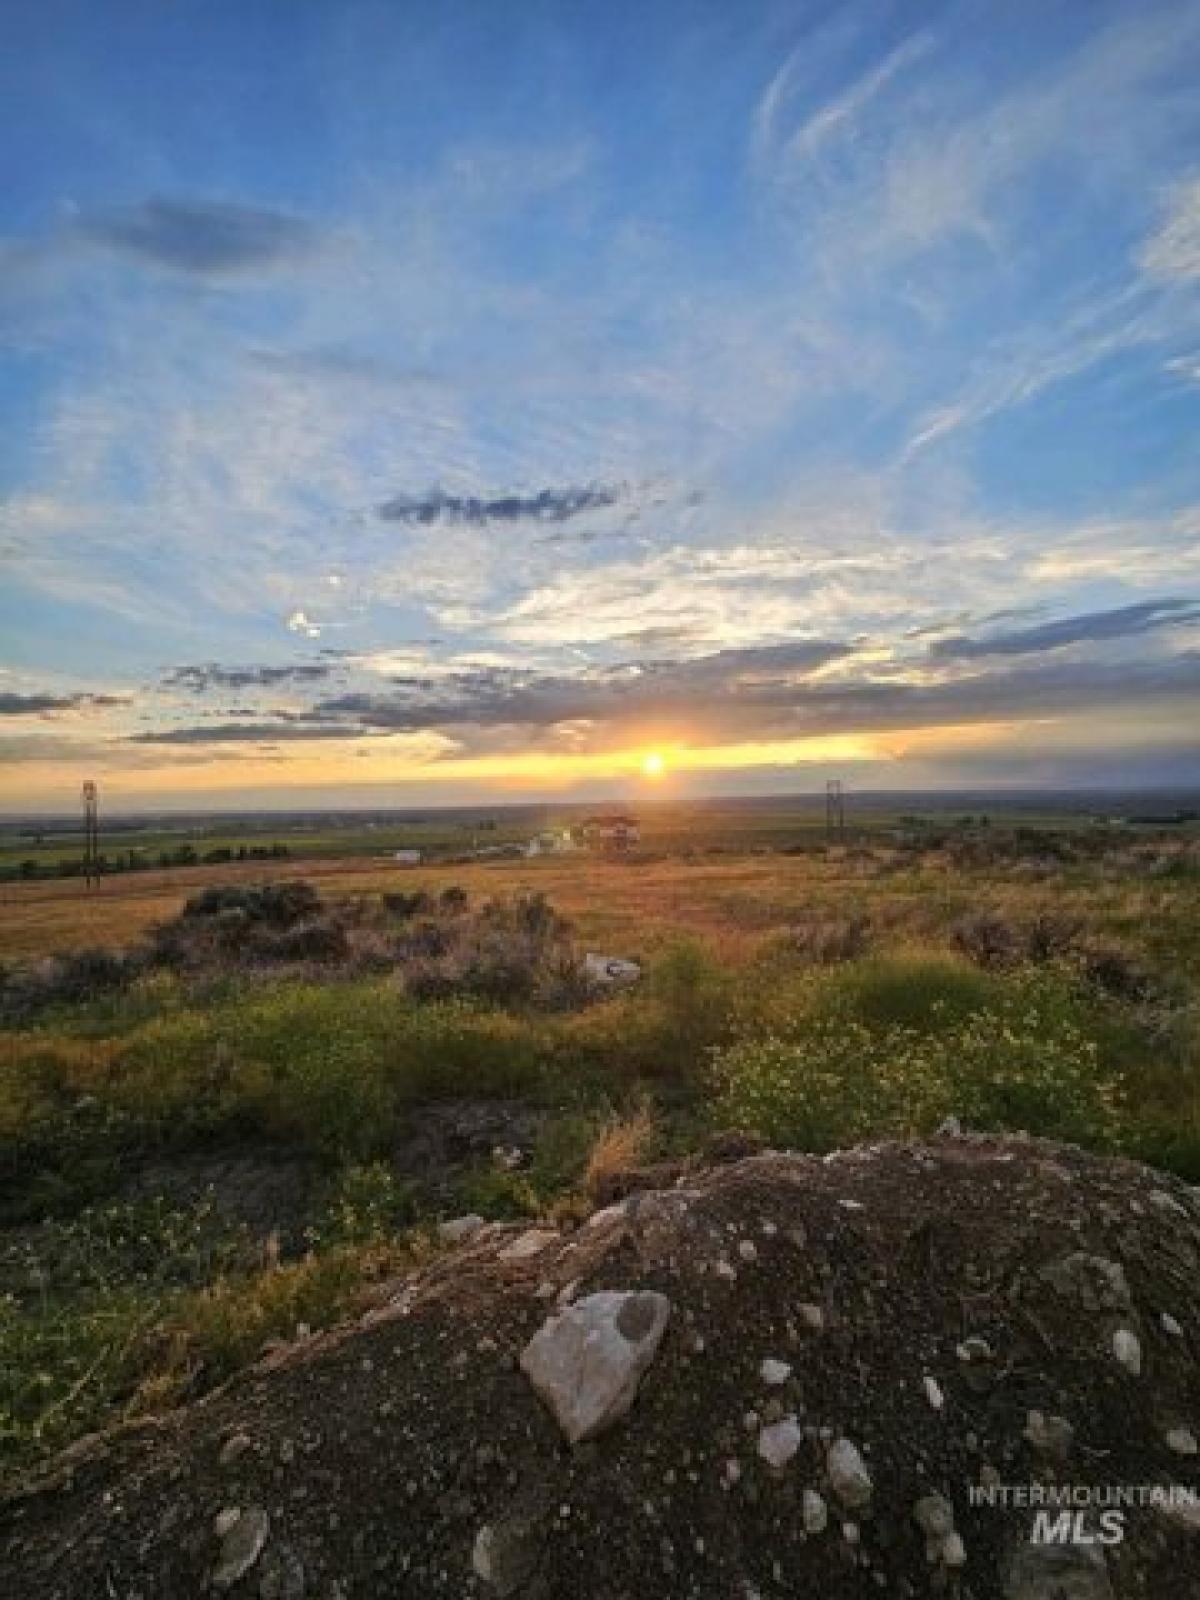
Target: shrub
176, 1073
455, 1048
311, 1063
1050, 937
915, 990
987, 939
550, 1180
512, 952
369, 1203
77, 977
693, 993
404, 906
303, 941
1023, 1062
832, 939
1114, 971
240, 921
281, 904
826, 1090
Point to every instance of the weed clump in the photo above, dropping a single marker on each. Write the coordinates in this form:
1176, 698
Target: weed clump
1019, 1062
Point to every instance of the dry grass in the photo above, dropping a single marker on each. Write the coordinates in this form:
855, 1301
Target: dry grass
622, 1143
732, 903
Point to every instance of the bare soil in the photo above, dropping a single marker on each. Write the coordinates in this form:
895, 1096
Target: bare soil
374, 1456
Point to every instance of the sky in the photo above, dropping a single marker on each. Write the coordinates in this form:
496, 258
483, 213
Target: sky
408, 403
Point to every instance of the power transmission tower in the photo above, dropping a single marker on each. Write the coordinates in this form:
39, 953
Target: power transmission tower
835, 809
91, 833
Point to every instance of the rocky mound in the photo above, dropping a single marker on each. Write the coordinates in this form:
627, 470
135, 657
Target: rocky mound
786, 1376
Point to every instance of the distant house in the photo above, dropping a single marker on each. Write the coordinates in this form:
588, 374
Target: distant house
615, 832
407, 858
551, 842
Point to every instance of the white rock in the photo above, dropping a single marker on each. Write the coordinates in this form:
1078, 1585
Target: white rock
234, 1448
954, 1552
974, 1349
530, 1243
609, 972
779, 1441
748, 1250
724, 1269
1128, 1350
774, 1372
934, 1515
606, 1214
848, 1473
586, 1361
242, 1542
1094, 1282
458, 1229
812, 1317
815, 1512
933, 1393
1181, 1508
1182, 1441
505, 1554
1052, 1571
1170, 1325
1054, 1435
481, 1553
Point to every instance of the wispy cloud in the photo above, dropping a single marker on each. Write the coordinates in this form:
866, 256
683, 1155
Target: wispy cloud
840, 116
1173, 251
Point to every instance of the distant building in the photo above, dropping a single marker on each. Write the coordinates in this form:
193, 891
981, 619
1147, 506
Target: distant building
407, 858
551, 842
615, 832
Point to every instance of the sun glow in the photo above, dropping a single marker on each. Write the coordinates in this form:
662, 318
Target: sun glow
653, 764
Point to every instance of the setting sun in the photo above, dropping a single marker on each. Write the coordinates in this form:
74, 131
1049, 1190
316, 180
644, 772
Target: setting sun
653, 765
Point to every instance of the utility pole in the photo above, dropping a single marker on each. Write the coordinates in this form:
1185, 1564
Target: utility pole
835, 810
91, 833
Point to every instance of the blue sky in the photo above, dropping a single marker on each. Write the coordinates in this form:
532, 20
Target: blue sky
420, 401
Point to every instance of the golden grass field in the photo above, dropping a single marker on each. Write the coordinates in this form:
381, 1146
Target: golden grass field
607, 899
730, 901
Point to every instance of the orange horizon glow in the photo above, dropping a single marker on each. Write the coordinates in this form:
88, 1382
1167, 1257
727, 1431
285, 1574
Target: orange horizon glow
372, 763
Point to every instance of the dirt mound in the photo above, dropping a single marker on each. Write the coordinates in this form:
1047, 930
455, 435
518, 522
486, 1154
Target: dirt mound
851, 1346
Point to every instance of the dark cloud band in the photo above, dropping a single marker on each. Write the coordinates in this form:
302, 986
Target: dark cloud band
199, 679
208, 239
1088, 628
547, 505
27, 705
